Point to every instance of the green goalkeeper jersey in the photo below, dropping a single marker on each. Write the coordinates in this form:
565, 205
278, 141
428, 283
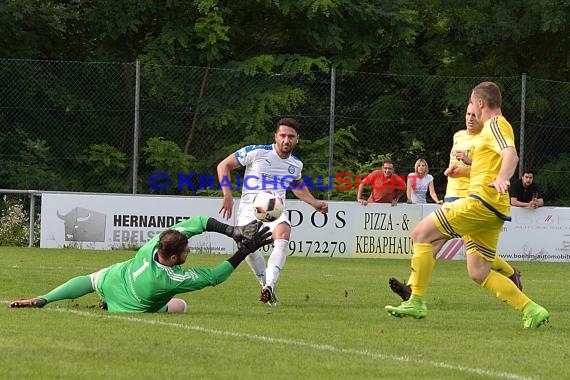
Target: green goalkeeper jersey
142, 284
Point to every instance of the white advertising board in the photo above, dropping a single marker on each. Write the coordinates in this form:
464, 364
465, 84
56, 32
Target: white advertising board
121, 221
541, 234
102, 221
352, 230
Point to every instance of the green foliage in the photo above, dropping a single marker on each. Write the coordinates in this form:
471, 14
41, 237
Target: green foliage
315, 159
166, 156
15, 224
212, 32
30, 166
527, 36
284, 64
280, 53
553, 179
398, 36
33, 28
103, 159
105, 167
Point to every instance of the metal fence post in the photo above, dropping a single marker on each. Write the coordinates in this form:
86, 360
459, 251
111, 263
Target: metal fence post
523, 111
32, 219
136, 131
331, 127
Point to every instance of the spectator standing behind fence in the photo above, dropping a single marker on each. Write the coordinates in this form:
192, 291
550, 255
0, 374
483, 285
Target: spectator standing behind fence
387, 187
419, 182
525, 193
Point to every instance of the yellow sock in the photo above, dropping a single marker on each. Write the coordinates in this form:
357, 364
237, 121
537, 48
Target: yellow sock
501, 266
505, 290
422, 266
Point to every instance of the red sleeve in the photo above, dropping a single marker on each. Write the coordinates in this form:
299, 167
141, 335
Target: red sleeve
402, 179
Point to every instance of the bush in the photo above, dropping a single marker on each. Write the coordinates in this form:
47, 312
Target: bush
552, 179
15, 224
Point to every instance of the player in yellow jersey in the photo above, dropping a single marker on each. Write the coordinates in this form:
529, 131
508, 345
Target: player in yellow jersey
477, 218
460, 157
458, 173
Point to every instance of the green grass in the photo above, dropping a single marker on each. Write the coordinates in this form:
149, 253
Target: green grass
331, 325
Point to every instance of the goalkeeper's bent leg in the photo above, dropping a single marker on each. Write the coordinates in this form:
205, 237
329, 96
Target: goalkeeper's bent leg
74, 288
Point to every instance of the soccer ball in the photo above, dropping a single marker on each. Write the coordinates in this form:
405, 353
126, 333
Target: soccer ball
267, 206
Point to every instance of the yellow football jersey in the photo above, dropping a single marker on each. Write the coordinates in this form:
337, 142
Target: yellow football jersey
462, 142
496, 135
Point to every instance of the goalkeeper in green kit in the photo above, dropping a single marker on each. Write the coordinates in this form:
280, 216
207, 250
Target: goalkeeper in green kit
149, 281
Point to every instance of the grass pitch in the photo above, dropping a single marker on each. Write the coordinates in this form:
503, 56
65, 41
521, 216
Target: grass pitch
330, 325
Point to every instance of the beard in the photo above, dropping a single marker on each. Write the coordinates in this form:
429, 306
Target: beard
287, 149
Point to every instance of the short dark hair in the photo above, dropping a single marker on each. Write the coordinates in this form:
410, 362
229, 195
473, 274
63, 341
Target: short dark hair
288, 121
388, 162
490, 93
528, 171
172, 242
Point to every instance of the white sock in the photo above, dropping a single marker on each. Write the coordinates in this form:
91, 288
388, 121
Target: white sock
257, 264
276, 261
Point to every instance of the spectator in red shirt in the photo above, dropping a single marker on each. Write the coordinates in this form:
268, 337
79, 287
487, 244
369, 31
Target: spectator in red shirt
387, 187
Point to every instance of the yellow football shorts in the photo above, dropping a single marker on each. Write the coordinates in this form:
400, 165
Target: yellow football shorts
470, 219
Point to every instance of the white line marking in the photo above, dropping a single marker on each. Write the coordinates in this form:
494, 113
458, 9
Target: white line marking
300, 343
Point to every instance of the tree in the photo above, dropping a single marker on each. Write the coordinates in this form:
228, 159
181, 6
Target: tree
105, 167
217, 75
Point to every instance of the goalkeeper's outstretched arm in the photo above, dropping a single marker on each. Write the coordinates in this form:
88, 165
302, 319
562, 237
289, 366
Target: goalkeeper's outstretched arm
259, 239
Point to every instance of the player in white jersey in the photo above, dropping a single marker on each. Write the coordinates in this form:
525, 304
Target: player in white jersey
268, 168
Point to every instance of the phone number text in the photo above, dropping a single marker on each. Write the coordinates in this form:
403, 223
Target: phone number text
313, 247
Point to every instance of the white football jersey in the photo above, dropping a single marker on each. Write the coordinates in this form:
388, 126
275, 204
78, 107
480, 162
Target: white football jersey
266, 171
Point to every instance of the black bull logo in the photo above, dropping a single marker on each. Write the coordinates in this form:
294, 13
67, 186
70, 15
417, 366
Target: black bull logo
82, 224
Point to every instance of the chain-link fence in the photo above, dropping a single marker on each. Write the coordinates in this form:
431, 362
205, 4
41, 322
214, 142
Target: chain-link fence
76, 126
